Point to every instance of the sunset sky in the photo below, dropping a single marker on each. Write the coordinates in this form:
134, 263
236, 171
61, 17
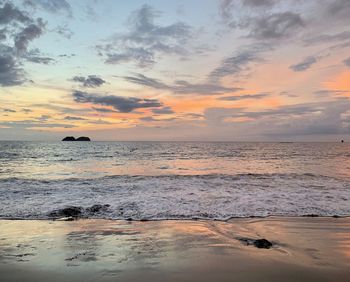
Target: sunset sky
209, 70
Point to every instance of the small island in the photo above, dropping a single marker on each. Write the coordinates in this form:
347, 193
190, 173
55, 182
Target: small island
71, 138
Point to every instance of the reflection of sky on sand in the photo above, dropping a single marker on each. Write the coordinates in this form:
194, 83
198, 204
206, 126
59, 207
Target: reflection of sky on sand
113, 248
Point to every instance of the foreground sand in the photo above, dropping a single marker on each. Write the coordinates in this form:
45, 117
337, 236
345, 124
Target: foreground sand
305, 249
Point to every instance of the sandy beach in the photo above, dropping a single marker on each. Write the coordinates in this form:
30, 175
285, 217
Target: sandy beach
304, 249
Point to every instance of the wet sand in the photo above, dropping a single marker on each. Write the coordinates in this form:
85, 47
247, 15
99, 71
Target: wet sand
304, 249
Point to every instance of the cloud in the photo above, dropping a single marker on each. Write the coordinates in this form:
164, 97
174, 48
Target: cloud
242, 97
227, 7
52, 6
151, 119
260, 3
64, 31
260, 24
103, 110
34, 56
330, 93
338, 8
122, 104
29, 33
275, 26
308, 119
91, 81
145, 41
73, 118
23, 29
305, 64
6, 110
327, 38
27, 124
240, 62
347, 62
163, 111
181, 86
10, 71
9, 13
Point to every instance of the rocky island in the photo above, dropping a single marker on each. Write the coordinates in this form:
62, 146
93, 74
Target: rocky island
71, 138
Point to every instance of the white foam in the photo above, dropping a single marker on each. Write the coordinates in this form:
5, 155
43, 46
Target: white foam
180, 196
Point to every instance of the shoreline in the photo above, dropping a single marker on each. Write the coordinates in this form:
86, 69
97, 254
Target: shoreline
303, 249
194, 219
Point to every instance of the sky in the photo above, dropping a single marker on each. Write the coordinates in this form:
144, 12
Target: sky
197, 70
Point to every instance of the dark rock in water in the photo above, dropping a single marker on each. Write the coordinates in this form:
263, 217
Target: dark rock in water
97, 208
310, 215
68, 138
71, 138
67, 212
83, 138
336, 216
258, 243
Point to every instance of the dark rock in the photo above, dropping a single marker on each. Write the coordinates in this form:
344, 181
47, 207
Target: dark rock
262, 244
310, 215
68, 138
258, 243
83, 138
336, 216
97, 208
67, 212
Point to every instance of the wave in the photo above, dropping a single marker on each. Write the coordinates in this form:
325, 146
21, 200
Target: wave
212, 196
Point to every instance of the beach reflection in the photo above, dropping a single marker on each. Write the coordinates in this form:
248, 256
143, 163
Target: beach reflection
116, 248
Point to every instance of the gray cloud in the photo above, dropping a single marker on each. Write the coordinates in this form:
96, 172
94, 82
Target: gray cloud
9, 13
305, 64
146, 40
163, 111
227, 7
34, 123
151, 119
23, 29
26, 110
260, 25
64, 31
10, 71
326, 38
6, 110
103, 110
122, 104
243, 97
260, 3
91, 81
329, 93
324, 118
338, 8
73, 118
34, 56
240, 62
275, 26
29, 33
347, 62
181, 86
52, 6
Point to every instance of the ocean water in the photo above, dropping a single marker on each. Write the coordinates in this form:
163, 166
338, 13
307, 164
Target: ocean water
174, 180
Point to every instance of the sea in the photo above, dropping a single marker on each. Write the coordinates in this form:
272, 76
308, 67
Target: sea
174, 180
